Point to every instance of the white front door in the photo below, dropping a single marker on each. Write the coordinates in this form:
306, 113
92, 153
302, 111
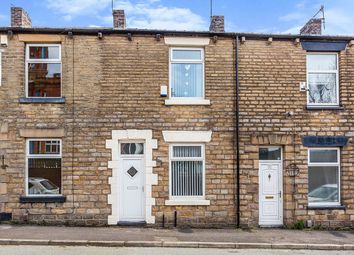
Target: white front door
270, 193
131, 183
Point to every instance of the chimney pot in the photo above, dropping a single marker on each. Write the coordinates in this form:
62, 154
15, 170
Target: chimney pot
312, 27
20, 18
119, 21
217, 24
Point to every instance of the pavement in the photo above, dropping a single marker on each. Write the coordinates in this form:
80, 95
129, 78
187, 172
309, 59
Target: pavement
89, 250
183, 238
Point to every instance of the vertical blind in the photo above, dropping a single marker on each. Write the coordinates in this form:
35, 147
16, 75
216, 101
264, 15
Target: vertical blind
187, 171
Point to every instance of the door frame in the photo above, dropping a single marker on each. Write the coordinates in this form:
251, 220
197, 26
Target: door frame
280, 184
151, 178
120, 179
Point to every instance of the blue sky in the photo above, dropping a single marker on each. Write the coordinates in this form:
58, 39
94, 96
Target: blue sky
261, 16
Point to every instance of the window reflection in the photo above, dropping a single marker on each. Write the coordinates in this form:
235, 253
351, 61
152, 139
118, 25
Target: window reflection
44, 80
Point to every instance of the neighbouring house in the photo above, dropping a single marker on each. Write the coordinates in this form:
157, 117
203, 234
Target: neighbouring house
208, 129
296, 127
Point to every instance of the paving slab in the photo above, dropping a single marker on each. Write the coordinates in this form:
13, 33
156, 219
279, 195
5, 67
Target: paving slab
187, 238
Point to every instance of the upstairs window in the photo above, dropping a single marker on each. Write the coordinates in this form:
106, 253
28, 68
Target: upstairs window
324, 177
186, 73
322, 79
43, 70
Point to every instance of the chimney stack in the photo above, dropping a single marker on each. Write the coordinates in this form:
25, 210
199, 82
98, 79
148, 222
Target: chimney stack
20, 18
312, 27
217, 24
119, 19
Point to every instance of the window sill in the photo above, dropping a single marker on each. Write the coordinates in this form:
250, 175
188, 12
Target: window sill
42, 199
187, 202
322, 207
41, 100
187, 102
309, 107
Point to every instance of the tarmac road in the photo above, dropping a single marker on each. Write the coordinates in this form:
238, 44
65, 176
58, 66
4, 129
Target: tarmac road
82, 250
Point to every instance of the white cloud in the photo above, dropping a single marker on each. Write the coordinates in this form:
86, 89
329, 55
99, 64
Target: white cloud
339, 21
300, 5
67, 17
94, 26
292, 30
339, 18
151, 14
232, 27
293, 16
144, 14
73, 8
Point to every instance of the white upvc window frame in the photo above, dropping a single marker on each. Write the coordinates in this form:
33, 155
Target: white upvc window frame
187, 100
186, 199
43, 61
336, 72
309, 163
28, 156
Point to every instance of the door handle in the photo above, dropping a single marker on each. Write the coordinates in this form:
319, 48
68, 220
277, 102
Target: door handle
280, 194
143, 188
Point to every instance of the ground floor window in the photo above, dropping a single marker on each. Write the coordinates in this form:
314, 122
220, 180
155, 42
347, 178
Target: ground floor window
43, 167
187, 171
324, 176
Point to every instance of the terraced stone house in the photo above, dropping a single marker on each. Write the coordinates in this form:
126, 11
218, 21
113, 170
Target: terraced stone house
296, 128
107, 126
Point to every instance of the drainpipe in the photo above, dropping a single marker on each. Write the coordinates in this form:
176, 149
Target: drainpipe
237, 135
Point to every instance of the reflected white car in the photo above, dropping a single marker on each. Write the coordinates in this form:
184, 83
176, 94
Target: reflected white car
39, 185
324, 193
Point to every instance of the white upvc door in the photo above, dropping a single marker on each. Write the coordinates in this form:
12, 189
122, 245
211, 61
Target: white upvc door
270, 193
132, 190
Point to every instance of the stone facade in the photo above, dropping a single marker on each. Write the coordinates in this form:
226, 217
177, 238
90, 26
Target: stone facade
111, 85
270, 74
114, 84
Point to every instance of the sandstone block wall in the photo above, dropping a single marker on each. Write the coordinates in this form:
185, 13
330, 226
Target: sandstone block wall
113, 84
269, 88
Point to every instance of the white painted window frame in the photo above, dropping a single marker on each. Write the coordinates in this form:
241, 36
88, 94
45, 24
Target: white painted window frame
187, 100
186, 199
328, 204
336, 72
28, 156
43, 61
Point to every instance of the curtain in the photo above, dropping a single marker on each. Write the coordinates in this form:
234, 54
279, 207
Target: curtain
186, 80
